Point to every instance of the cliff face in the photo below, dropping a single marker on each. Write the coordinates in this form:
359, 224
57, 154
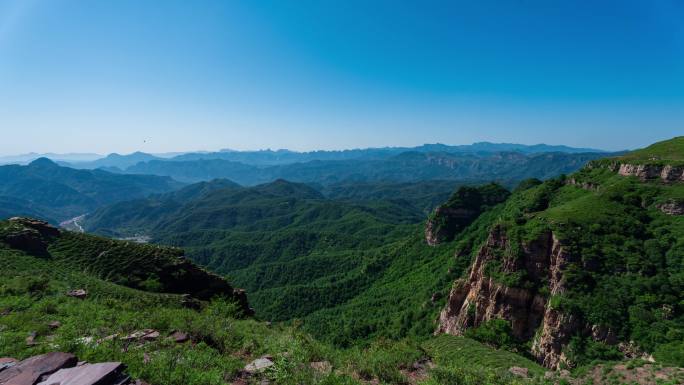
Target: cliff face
667, 173
480, 298
440, 226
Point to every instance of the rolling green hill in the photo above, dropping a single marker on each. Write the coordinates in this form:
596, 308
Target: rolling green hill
279, 237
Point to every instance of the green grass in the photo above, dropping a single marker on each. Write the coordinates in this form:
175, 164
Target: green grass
667, 150
464, 352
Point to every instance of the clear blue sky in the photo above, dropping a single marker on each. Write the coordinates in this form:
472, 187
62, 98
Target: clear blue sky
157, 76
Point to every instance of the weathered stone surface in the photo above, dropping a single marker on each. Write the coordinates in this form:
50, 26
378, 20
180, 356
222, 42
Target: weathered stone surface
7, 362
144, 335
106, 373
672, 207
31, 236
27, 240
77, 293
31, 339
153, 335
259, 365
179, 337
28, 371
480, 298
437, 229
666, 173
45, 229
54, 324
520, 372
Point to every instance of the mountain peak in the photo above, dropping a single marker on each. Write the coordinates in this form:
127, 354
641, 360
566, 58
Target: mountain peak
287, 188
43, 162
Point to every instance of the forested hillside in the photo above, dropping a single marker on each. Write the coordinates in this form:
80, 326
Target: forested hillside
354, 272
584, 267
563, 274
105, 300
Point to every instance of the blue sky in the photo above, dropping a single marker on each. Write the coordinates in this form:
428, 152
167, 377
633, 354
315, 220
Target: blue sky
104, 76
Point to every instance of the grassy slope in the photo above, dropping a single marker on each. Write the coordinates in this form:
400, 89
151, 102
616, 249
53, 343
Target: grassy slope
671, 150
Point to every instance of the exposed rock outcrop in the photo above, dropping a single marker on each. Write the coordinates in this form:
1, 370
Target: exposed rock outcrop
650, 171
44, 229
672, 207
589, 186
462, 208
188, 278
480, 298
29, 235
439, 227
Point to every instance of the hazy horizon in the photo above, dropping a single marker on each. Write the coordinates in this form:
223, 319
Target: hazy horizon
154, 77
282, 149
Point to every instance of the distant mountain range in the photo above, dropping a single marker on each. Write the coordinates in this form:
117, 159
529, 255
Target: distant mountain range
46, 190
31, 156
506, 167
58, 191
277, 157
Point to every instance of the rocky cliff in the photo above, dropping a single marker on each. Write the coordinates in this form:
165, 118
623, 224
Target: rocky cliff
462, 208
480, 298
664, 172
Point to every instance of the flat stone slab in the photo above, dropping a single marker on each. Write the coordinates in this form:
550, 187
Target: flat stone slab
258, 365
145, 335
88, 374
28, 371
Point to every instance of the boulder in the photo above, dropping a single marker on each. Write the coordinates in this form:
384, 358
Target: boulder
77, 293
31, 339
179, 337
259, 365
30, 370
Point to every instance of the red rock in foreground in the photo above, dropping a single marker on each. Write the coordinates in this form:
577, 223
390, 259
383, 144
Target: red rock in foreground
59, 368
